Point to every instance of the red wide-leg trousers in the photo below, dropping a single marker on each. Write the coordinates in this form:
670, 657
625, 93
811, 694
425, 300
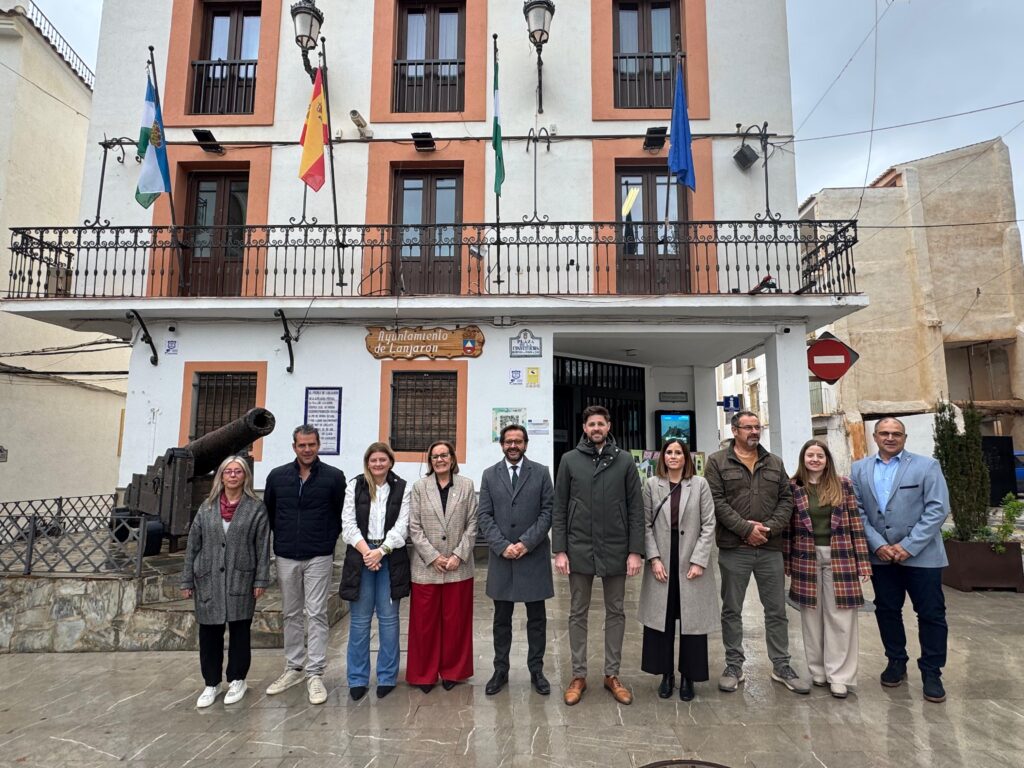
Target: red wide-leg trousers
440, 632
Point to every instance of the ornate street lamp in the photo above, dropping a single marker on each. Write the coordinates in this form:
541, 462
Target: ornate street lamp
538, 15
307, 19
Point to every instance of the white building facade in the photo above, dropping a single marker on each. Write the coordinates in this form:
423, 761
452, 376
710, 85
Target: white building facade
620, 309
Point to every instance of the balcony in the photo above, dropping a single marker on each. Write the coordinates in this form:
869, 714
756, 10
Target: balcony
644, 80
752, 258
428, 85
223, 87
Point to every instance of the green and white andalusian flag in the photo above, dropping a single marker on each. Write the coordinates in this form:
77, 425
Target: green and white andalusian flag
499, 156
155, 176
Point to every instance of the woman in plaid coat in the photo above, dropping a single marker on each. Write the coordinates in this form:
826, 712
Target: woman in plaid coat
826, 555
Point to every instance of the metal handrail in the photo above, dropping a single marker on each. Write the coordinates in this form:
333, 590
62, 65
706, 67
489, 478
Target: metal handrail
528, 258
224, 86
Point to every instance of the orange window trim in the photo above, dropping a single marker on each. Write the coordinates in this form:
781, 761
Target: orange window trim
384, 159
607, 156
259, 367
183, 48
459, 367
385, 44
183, 160
693, 18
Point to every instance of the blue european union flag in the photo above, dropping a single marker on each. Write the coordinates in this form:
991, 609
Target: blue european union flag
680, 154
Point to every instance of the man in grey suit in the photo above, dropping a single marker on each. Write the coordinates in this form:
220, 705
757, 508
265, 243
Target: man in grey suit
903, 501
514, 515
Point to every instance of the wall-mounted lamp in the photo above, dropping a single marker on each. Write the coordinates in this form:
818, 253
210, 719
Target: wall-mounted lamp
538, 15
423, 141
745, 156
307, 19
654, 139
207, 141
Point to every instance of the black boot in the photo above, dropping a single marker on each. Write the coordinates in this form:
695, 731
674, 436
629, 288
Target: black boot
686, 688
668, 684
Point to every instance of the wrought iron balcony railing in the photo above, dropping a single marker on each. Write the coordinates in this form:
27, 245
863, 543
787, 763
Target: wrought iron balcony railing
644, 80
223, 87
428, 85
556, 258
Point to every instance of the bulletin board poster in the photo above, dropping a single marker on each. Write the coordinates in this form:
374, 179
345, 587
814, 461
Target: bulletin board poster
323, 411
502, 417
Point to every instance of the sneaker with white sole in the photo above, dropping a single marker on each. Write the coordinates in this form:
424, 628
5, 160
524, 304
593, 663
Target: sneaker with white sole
208, 696
284, 682
236, 690
316, 690
839, 690
789, 678
731, 678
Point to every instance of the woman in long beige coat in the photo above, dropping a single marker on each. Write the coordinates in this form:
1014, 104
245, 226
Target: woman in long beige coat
442, 531
679, 582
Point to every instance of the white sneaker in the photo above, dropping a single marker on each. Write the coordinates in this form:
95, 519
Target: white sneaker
284, 682
208, 696
839, 690
236, 690
316, 690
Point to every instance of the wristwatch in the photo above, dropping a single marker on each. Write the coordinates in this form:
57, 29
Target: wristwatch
385, 549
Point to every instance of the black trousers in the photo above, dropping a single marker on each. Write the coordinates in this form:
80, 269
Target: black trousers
536, 634
211, 651
892, 584
658, 650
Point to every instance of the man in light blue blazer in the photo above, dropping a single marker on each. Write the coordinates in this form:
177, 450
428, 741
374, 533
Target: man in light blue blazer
903, 501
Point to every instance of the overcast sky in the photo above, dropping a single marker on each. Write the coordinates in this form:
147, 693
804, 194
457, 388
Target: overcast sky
934, 58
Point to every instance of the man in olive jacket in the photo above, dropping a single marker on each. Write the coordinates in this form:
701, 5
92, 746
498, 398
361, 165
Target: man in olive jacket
597, 530
753, 504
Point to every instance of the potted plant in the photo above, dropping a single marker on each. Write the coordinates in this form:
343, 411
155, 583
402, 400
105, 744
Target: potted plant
979, 557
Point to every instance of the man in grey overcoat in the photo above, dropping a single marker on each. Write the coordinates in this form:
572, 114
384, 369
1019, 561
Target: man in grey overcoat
514, 516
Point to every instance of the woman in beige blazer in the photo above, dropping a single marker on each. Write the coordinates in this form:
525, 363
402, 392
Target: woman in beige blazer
442, 531
678, 583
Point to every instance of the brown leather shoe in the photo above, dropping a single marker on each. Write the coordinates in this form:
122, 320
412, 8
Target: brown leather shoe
574, 692
619, 691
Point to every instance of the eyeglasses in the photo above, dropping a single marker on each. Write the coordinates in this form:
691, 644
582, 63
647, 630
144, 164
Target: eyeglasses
440, 456
234, 472
890, 434
514, 442
754, 428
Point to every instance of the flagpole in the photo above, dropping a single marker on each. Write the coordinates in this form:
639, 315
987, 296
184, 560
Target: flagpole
497, 206
330, 155
175, 243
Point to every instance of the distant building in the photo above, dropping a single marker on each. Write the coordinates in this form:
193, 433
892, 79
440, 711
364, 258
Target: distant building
59, 434
947, 299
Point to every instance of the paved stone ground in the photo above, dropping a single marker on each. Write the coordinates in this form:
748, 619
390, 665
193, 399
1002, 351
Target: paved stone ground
137, 709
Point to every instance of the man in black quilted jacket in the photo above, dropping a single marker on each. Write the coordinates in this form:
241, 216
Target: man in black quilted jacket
304, 500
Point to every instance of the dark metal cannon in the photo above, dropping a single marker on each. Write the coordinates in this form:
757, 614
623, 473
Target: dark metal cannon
168, 490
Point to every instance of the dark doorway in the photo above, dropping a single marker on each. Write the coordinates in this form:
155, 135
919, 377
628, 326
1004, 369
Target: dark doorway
215, 242
428, 211
619, 388
651, 258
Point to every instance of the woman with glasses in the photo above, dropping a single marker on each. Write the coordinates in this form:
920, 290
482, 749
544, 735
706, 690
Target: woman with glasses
227, 567
375, 577
825, 553
679, 583
442, 530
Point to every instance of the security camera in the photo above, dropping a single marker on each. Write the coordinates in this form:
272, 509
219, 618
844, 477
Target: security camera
360, 123
172, 328
785, 330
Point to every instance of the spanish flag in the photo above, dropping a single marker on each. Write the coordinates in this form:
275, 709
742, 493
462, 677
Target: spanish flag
314, 136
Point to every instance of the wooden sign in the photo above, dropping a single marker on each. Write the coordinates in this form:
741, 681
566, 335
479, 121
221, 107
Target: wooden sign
409, 343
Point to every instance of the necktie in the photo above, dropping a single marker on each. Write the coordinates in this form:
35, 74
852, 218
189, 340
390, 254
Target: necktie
515, 476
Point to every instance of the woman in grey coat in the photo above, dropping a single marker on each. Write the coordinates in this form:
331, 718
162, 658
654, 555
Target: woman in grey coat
678, 583
227, 567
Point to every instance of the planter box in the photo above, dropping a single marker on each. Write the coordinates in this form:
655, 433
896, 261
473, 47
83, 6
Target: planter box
975, 565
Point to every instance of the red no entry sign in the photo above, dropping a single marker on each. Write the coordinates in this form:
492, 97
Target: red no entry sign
828, 358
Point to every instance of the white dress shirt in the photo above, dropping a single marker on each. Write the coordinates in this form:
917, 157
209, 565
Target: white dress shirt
509, 465
395, 539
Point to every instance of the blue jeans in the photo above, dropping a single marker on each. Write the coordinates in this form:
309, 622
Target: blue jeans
374, 594
924, 585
